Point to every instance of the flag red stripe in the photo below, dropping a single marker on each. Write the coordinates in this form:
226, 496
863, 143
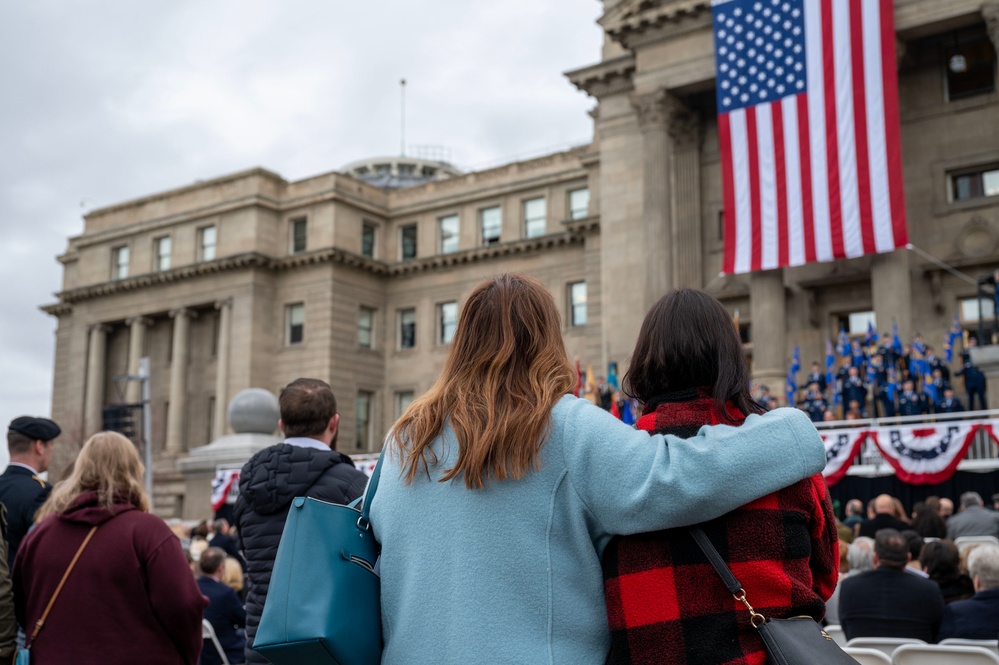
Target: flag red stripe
832, 132
889, 66
752, 142
860, 127
781, 179
728, 191
804, 146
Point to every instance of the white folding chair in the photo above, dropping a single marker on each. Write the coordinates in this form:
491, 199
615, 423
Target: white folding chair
966, 541
868, 656
943, 654
991, 645
885, 645
208, 633
836, 632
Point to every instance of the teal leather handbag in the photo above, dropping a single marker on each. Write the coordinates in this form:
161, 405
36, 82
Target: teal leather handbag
323, 605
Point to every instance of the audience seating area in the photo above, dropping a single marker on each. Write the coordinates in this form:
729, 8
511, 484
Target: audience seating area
211, 641
892, 651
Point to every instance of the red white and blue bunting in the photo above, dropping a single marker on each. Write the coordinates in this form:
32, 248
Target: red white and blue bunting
923, 454
225, 488
842, 447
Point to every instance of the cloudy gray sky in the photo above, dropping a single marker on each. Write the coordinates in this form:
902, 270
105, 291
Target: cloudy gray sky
106, 100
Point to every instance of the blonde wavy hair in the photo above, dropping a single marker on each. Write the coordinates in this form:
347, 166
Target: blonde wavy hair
108, 464
506, 369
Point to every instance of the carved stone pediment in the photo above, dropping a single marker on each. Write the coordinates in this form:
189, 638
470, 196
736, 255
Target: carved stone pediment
632, 22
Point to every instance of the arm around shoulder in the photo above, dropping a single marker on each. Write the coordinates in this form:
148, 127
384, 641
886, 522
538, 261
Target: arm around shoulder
633, 483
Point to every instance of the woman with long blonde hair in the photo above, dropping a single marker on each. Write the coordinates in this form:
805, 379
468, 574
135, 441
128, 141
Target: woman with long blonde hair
500, 489
129, 597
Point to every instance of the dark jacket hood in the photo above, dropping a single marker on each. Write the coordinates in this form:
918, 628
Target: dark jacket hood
88, 510
276, 475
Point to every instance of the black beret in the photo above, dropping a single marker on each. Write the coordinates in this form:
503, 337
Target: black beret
41, 429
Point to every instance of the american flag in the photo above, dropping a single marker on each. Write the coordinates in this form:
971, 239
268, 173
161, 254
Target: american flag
808, 131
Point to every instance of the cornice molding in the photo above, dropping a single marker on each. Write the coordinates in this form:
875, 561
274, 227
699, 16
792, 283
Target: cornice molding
574, 234
606, 78
634, 23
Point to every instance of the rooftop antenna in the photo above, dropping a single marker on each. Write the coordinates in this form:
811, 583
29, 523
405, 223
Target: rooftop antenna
402, 133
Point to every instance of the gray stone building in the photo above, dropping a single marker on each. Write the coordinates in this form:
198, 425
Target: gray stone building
355, 276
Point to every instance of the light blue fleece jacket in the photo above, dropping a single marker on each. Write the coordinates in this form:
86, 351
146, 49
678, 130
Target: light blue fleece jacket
511, 573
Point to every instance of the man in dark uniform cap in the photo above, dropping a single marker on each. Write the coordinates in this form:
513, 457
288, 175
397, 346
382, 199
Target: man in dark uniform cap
21, 489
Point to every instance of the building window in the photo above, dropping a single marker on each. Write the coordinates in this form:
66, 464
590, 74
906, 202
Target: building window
364, 400
407, 328
447, 314
298, 240
491, 220
206, 243
856, 323
163, 247
119, 262
577, 304
407, 242
970, 63
403, 399
579, 203
448, 234
969, 309
977, 184
366, 328
368, 240
295, 315
535, 211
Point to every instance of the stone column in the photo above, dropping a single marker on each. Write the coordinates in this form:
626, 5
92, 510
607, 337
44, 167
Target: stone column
178, 380
685, 131
222, 367
769, 309
891, 289
990, 12
654, 110
136, 343
93, 409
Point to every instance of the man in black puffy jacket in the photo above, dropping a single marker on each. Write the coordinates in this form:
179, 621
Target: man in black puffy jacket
304, 464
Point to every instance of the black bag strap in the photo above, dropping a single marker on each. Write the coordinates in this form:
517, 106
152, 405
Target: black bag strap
724, 572
715, 559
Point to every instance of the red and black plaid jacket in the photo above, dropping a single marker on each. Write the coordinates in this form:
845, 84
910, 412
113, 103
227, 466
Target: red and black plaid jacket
666, 604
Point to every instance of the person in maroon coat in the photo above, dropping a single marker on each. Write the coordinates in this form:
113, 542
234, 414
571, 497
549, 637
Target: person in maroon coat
131, 597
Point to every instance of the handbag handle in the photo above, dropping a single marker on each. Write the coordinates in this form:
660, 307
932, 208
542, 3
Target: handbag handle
55, 594
725, 573
364, 521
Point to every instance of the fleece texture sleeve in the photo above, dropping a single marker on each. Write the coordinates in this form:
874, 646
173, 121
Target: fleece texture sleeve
175, 597
633, 483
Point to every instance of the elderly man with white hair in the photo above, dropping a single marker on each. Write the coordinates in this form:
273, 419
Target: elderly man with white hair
978, 617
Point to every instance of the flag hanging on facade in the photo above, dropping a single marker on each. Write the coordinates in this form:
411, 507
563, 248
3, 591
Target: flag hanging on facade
808, 131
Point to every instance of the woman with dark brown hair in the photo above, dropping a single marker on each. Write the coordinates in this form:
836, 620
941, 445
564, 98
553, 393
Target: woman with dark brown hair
499, 491
941, 561
665, 603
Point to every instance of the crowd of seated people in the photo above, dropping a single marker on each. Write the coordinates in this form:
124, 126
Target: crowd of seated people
906, 575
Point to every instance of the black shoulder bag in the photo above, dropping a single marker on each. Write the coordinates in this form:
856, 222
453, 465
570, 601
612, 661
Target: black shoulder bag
794, 641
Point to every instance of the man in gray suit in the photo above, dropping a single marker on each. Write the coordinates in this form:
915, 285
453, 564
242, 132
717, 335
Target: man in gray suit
974, 519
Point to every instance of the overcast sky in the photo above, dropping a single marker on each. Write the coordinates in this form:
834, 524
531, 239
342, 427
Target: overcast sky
102, 101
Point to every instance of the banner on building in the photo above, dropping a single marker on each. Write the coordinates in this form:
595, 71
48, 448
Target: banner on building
927, 454
225, 487
923, 454
842, 447
808, 131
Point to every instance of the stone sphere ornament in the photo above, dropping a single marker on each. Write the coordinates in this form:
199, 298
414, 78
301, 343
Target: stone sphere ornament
254, 411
